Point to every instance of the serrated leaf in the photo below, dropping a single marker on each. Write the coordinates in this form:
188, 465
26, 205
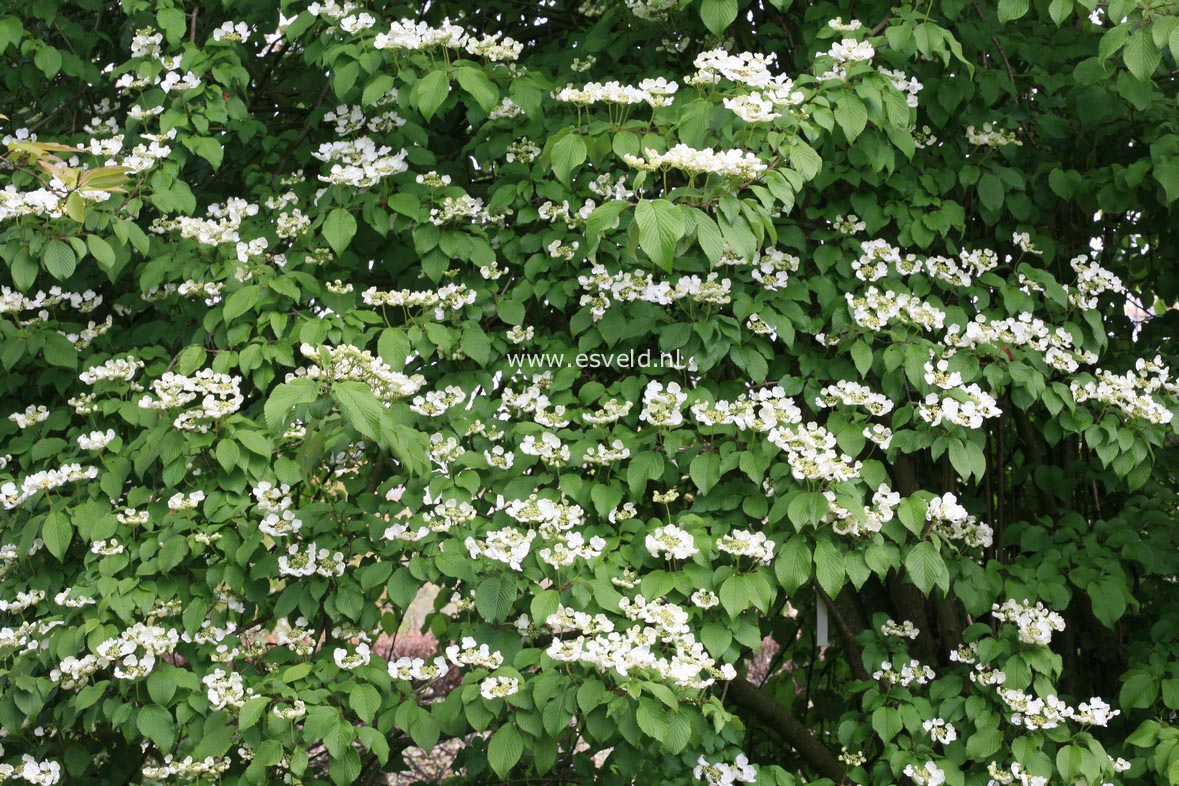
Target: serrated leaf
494, 597
568, 153
1141, 55
925, 566
156, 724
718, 14
59, 259
240, 302
362, 409
661, 225
252, 712
793, 563
431, 91
338, 229
504, 750
364, 701
852, 116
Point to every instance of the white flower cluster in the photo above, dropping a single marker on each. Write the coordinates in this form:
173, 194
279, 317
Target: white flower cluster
970, 413
187, 768
12, 495
499, 687
654, 92
1133, 392
849, 224
221, 226
1092, 281
662, 406
470, 653
853, 394
671, 540
743, 543
311, 561
32, 415
875, 309
638, 285
990, 136
1025, 330
1016, 774
358, 656
412, 36
348, 363
875, 516
452, 297
131, 664
951, 520
772, 268
115, 369
359, 162
1047, 713
228, 31
418, 669
748, 70
437, 402
1035, 624
722, 773
900, 630
738, 164
219, 394
927, 774
639, 647
226, 689
911, 673
940, 730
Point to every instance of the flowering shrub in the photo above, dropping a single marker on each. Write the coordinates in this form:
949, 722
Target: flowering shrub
301, 466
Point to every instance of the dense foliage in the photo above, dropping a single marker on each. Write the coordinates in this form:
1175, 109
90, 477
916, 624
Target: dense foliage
666, 339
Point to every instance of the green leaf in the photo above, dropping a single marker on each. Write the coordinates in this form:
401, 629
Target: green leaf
718, 14
338, 229
567, 154
286, 396
1141, 55
101, 251
793, 563
155, 723
862, 356
240, 302
494, 597
75, 207
59, 259
173, 23
57, 532
925, 566
479, 86
377, 88
360, 406
829, 567
886, 722
1012, 9
653, 718
705, 471
1166, 172
990, 191
504, 749
365, 701
661, 225
48, 60
431, 91
852, 116
983, 743
252, 711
